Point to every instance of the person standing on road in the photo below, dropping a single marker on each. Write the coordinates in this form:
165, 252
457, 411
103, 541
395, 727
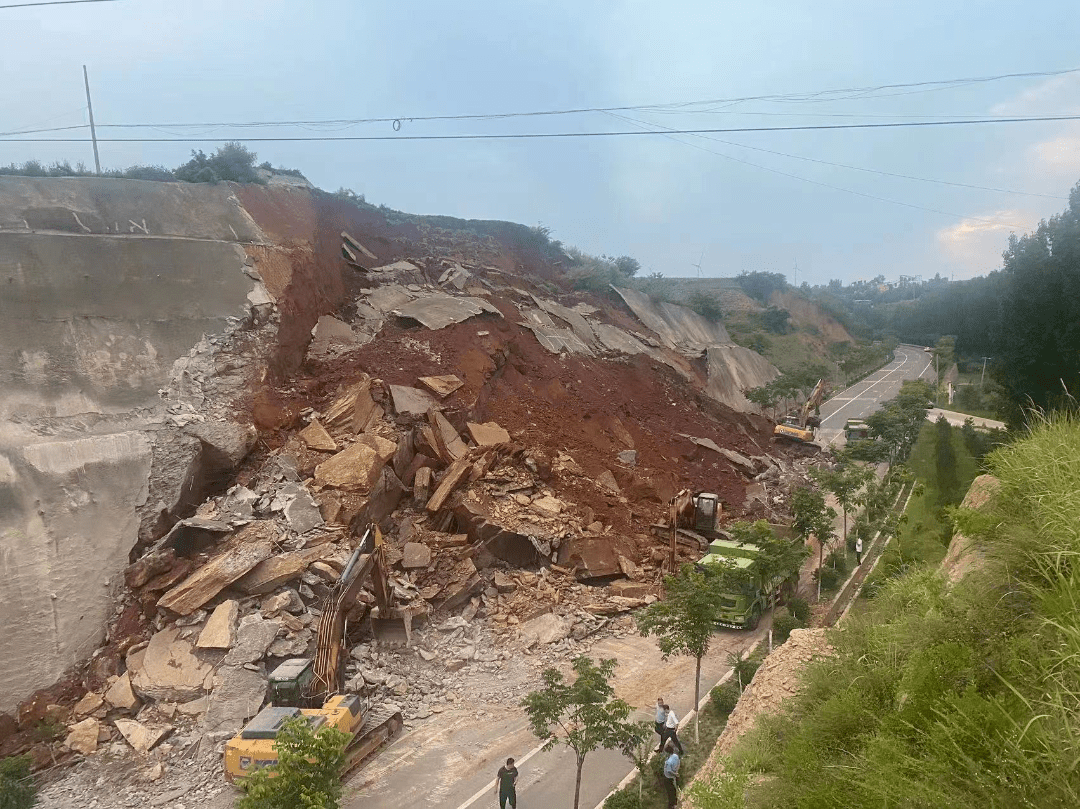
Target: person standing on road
661, 717
858, 550
506, 781
671, 725
671, 774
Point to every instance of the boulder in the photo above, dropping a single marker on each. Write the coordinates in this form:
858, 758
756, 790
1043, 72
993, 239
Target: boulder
83, 736
120, 694
253, 638
441, 386
411, 401
487, 434
141, 737
504, 583
591, 557
628, 457
169, 671
545, 629
415, 554
250, 546
629, 589
355, 467
88, 704
316, 437
548, 506
607, 482
271, 573
226, 443
238, 695
220, 629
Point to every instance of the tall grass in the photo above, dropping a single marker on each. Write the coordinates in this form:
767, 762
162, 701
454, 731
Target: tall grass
962, 696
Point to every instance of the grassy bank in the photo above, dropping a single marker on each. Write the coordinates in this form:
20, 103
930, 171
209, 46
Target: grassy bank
966, 696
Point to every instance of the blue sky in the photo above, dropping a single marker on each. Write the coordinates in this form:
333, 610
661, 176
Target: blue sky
658, 198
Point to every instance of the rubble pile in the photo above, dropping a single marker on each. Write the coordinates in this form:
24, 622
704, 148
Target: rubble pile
513, 451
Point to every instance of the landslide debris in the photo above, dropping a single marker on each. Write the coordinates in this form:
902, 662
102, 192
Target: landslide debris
517, 448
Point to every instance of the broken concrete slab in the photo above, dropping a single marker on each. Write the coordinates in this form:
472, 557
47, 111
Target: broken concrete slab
83, 736
120, 695
253, 638
487, 434
629, 589
303, 512
503, 582
220, 629
331, 330
441, 386
247, 548
238, 695
437, 310
271, 573
411, 401
142, 738
316, 437
415, 554
355, 467
169, 670
545, 629
628, 457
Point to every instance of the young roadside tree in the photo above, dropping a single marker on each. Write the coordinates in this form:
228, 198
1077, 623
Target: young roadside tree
308, 772
636, 745
584, 715
845, 482
812, 518
684, 620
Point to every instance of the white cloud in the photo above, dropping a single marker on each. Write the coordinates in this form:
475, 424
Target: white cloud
974, 245
1059, 95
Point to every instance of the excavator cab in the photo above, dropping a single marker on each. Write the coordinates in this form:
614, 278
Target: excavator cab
290, 683
706, 509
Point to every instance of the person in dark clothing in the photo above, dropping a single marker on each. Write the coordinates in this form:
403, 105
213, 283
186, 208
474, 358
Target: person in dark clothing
505, 782
671, 728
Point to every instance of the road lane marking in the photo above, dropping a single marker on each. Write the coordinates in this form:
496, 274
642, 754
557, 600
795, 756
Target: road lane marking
494, 782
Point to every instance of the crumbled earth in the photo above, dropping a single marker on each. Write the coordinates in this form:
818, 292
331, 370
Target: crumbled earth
504, 556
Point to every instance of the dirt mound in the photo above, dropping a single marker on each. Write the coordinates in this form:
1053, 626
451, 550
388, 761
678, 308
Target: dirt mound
777, 680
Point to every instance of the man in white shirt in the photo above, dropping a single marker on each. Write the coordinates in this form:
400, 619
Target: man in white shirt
661, 717
671, 727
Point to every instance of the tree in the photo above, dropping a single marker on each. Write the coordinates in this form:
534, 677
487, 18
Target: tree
636, 745
761, 285
17, 789
583, 715
308, 772
627, 266
845, 483
684, 620
812, 518
232, 161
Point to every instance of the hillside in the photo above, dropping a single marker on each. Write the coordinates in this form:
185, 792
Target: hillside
239, 378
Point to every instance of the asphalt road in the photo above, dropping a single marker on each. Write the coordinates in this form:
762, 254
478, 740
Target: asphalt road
867, 395
450, 759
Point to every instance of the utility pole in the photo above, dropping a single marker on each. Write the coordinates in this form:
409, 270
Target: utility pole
93, 131
983, 377
796, 273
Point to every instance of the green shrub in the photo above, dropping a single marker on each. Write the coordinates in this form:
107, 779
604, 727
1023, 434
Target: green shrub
830, 578
838, 561
706, 305
624, 799
783, 623
800, 608
17, 790
308, 772
723, 698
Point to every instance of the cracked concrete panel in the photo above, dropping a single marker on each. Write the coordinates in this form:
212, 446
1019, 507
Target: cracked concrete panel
677, 326
60, 558
733, 369
438, 310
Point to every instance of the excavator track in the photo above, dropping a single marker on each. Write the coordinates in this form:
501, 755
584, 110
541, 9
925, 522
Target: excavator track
379, 727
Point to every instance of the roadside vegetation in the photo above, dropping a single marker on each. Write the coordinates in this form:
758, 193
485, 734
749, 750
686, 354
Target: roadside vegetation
233, 162
307, 774
966, 696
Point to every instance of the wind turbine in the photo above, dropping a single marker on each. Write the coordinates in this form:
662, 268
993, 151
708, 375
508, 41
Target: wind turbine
698, 265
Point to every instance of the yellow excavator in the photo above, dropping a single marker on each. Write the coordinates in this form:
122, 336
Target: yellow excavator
800, 426
311, 687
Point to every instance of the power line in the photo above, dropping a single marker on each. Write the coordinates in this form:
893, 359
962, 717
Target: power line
58, 3
671, 107
540, 135
670, 133
869, 170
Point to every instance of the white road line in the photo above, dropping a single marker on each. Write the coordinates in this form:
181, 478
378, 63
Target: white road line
494, 782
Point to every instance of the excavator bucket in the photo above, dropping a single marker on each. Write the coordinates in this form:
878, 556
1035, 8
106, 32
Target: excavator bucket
393, 631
